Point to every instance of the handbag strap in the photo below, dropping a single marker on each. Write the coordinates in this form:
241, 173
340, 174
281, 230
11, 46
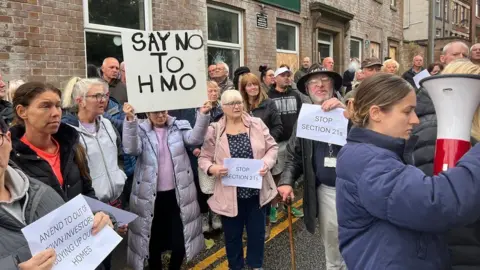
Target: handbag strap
217, 139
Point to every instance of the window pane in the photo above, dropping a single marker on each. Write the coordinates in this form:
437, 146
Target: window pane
101, 46
286, 37
127, 14
222, 26
230, 56
355, 49
323, 51
324, 37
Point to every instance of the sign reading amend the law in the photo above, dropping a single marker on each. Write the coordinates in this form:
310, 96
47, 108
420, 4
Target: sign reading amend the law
165, 70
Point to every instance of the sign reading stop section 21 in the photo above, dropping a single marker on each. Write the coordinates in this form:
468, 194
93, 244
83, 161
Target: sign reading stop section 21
315, 124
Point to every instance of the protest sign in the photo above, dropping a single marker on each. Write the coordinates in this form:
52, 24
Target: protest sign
68, 229
315, 124
165, 70
421, 75
123, 217
243, 172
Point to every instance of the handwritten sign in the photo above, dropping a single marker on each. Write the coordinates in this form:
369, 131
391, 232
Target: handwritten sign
165, 70
67, 229
243, 172
315, 124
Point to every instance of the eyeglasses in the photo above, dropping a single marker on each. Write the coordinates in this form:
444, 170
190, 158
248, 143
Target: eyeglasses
99, 96
320, 82
3, 137
233, 103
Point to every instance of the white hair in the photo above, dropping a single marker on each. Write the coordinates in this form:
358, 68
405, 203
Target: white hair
471, 48
447, 47
12, 87
225, 65
77, 88
230, 95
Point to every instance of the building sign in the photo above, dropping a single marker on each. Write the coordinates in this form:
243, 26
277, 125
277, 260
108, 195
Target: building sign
262, 20
293, 5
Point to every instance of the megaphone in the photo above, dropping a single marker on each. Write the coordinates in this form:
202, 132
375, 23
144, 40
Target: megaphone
455, 98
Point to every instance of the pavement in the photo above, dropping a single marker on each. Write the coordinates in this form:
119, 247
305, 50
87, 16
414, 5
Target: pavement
308, 249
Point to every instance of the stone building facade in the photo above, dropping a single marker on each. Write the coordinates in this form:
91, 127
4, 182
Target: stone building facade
52, 40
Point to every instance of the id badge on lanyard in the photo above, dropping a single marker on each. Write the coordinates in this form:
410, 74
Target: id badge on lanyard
330, 161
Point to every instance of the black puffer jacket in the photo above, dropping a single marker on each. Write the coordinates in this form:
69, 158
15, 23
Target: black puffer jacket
268, 112
6, 111
463, 243
426, 132
73, 181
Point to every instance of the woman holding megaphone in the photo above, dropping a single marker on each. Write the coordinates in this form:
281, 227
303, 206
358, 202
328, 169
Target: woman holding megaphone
390, 214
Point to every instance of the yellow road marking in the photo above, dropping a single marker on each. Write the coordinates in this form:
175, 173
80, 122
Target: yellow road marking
222, 252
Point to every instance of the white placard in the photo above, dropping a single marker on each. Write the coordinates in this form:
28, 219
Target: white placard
417, 78
315, 124
67, 229
123, 217
243, 172
165, 70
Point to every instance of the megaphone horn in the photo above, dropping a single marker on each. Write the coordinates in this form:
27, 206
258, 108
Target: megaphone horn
455, 98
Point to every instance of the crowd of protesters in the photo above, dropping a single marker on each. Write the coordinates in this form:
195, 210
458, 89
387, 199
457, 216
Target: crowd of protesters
379, 207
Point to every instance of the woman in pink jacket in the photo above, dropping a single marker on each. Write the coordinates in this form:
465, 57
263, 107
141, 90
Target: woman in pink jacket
240, 136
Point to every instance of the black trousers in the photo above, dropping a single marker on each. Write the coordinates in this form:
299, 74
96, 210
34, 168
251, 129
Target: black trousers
166, 232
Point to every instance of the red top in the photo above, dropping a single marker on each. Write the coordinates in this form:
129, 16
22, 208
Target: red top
52, 159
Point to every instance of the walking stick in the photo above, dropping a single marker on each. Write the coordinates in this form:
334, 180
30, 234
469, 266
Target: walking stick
290, 231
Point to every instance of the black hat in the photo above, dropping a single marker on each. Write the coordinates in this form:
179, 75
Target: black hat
238, 72
315, 70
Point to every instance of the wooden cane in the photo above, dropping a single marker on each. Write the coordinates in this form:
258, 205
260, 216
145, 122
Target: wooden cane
290, 231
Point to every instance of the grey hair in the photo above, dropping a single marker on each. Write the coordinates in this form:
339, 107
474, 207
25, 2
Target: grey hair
447, 47
225, 65
77, 88
471, 48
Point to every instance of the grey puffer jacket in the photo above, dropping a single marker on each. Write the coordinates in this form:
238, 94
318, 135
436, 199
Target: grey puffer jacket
140, 139
39, 200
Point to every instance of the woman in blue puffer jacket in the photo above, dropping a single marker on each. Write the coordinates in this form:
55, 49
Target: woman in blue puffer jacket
390, 214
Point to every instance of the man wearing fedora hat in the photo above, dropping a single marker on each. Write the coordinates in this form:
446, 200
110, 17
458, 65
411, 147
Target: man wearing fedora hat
308, 157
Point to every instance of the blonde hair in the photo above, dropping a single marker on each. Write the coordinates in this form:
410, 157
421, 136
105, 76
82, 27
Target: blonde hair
465, 66
12, 87
383, 90
230, 95
388, 62
78, 87
213, 84
251, 78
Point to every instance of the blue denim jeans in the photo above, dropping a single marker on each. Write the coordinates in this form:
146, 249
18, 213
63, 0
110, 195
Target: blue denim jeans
251, 216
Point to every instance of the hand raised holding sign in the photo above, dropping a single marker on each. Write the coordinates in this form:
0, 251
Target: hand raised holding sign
207, 106
129, 111
41, 261
331, 104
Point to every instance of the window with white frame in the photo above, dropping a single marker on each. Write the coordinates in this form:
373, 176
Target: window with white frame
104, 20
287, 37
225, 37
437, 8
325, 45
356, 48
393, 3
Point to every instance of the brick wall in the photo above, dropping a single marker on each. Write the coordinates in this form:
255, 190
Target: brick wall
42, 40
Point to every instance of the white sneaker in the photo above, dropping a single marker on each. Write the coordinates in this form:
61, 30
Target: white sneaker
216, 222
205, 223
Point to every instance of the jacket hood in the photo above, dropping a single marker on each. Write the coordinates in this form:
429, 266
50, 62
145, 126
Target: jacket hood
66, 136
401, 147
424, 104
17, 183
